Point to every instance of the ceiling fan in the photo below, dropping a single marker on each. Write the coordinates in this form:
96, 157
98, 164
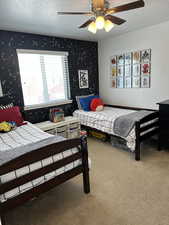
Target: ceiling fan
101, 14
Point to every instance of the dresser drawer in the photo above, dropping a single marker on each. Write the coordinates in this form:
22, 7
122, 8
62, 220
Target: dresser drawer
73, 126
164, 141
52, 131
163, 122
164, 115
164, 133
61, 129
164, 111
74, 134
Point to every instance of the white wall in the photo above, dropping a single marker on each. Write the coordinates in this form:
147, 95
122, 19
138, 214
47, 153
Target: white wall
156, 38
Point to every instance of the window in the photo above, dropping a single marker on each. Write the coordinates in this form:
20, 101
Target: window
44, 77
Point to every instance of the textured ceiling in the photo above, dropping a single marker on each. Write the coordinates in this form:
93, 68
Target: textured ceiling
39, 16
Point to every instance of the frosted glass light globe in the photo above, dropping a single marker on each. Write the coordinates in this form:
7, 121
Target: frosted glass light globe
92, 27
108, 25
100, 22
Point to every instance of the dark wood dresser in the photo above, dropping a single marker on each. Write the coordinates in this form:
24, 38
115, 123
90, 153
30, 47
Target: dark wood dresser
164, 124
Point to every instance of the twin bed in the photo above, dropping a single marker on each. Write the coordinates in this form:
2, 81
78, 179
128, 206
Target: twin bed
32, 162
141, 124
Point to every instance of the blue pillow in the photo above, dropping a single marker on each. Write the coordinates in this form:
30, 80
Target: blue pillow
85, 102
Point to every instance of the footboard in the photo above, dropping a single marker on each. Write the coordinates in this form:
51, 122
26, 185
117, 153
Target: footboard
145, 128
40, 154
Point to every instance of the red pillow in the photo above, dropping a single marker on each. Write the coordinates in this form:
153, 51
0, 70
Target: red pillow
11, 114
96, 104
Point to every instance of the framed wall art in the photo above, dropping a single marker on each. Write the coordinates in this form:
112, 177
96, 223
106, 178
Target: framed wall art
83, 79
136, 69
113, 84
145, 81
120, 81
114, 71
120, 71
131, 69
120, 59
145, 69
128, 82
146, 56
128, 70
136, 57
128, 58
136, 82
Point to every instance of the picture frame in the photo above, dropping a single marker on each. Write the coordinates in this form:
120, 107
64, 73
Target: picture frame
114, 71
128, 58
128, 71
145, 81
145, 69
113, 83
120, 59
83, 79
136, 57
136, 82
120, 82
136, 69
120, 71
127, 82
146, 56
114, 60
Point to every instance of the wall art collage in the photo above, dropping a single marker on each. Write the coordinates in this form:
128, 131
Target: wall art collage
131, 70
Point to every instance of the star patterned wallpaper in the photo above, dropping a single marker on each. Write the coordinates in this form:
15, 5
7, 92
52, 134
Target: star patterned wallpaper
83, 55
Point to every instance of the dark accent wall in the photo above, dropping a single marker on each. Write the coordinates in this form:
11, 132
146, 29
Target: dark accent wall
82, 55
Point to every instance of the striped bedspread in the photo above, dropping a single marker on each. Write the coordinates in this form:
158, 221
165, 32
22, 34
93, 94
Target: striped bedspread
24, 139
104, 121
22, 136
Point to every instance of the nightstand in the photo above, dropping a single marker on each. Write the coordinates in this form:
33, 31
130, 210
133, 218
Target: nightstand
69, 128
164, 124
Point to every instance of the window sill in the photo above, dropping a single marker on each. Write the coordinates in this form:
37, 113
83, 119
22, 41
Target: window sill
39, 106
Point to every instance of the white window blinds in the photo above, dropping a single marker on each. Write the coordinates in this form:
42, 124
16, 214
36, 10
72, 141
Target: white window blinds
44, 76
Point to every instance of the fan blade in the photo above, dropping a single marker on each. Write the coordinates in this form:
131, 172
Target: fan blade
86, 23
115, 20
126, 7
98, 4
75, 13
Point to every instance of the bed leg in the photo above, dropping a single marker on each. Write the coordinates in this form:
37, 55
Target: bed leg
137, 153
86, 180
2, 221
137, 148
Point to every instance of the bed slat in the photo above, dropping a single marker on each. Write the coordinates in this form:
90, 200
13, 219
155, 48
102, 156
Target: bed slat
150, 117
38, 155
34, 192
149, 134
149, 126
38, 173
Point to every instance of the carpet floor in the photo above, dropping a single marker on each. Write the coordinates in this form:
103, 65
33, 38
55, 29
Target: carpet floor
123, 192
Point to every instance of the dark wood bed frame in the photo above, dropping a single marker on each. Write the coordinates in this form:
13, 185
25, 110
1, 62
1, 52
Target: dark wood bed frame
140, 127
40, 154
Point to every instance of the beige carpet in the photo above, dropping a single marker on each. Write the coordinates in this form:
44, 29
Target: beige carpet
123, 192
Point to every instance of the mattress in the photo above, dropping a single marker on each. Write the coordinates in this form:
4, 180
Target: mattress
104, 121
20, 139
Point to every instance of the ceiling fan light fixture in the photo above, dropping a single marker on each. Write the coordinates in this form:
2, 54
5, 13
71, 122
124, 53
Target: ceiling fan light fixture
92, 27
100, 21
108, 25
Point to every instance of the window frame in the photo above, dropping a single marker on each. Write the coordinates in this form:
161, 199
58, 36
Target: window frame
44, 52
